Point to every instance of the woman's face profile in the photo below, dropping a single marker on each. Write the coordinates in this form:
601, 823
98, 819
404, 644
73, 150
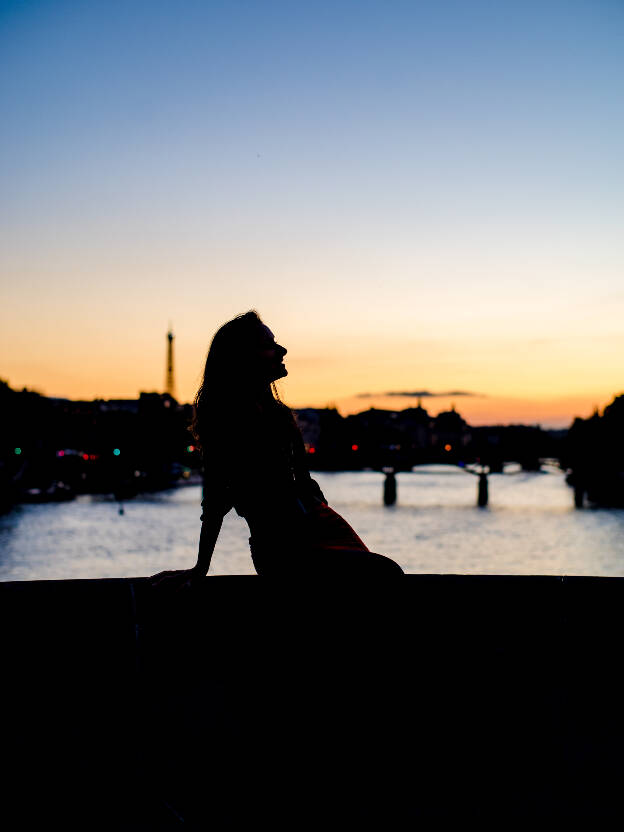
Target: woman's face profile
270, 356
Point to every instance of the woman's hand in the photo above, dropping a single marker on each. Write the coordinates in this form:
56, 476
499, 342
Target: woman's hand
175, 580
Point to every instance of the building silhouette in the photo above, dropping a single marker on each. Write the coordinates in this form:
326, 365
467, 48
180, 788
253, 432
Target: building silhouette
170, 379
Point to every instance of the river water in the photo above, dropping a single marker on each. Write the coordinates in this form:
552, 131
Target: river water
529, 527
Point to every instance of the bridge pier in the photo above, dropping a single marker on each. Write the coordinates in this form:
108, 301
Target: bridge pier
390, 487
482, 490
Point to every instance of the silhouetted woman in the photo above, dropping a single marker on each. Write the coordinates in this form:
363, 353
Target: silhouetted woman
255, 461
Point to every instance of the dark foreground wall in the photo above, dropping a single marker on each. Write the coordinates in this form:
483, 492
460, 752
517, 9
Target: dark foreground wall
244, 703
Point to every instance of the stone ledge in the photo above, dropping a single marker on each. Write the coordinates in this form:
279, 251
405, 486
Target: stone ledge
247, 701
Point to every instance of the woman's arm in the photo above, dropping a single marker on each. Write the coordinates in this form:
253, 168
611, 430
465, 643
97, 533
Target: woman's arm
211, 526
212, 520
302, 471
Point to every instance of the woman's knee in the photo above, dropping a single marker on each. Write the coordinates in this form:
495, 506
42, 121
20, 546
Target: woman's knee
391, 567
382, 565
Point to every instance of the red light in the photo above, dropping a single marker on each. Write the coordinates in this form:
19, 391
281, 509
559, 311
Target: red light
311, 449
355, 447
85, 456
60, 453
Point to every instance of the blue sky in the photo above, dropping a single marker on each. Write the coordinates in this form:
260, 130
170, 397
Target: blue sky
412, 194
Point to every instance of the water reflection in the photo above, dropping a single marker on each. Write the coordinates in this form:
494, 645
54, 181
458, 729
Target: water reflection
529, 527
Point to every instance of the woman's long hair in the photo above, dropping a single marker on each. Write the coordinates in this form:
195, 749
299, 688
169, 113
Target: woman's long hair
230, 397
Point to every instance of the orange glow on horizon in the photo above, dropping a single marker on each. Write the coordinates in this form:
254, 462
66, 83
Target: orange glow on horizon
508, 382
485, 409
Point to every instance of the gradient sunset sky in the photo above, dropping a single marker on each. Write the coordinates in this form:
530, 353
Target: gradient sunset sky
415, 196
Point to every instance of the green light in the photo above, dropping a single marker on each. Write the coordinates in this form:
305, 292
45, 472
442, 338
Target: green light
18, 451
116, 451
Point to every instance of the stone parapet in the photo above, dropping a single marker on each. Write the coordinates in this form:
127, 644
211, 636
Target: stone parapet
307, 703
